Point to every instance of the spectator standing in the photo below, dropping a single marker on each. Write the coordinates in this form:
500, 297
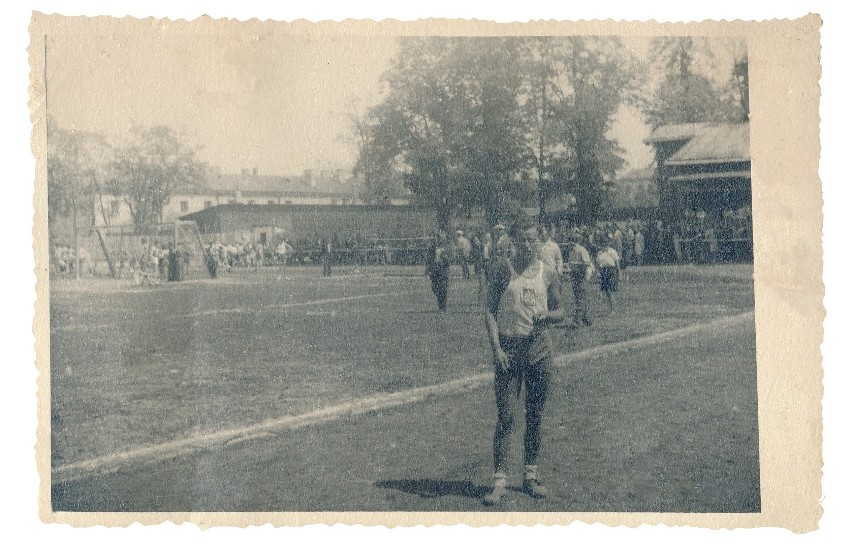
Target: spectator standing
608, 265
326, 258
462, 253
438, 269
283, 251
580, 269
638, 246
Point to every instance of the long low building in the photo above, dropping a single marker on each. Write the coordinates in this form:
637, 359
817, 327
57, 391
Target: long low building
312, 187
267, 223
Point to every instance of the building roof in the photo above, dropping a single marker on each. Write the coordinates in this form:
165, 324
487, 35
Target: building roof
256, 183
715, 144
673, 133
292, 185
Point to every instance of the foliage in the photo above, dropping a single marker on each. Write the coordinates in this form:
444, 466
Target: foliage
75, 161
149, 167
685, 91
482, 123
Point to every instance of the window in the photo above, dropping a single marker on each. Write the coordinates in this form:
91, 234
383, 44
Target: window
288, 202
113, 207
184, 206
232, 201
251, 201
208, 204
270, 202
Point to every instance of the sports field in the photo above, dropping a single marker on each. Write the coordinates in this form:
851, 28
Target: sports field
258, 391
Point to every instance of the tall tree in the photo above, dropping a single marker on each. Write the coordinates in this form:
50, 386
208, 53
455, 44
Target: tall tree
76, 163
408, 125
76, 160
149, 167
488, 126
481, 123
685, 91
450, 123
383, 180
590, 78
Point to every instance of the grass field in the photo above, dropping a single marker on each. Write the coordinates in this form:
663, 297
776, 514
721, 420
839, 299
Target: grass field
134, 367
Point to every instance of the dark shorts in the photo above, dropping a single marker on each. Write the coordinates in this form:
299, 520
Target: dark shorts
609, 279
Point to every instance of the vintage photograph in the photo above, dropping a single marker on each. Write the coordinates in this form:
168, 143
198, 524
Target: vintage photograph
291, 268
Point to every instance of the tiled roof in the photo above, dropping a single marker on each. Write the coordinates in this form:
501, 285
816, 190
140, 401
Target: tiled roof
714, 144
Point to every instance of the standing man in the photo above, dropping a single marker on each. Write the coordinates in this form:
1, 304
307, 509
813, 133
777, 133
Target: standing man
283, 250
608, 264
463, 253
550, 253
638, 246
523, 300
438, 269
326, 257
580, 269
501, 244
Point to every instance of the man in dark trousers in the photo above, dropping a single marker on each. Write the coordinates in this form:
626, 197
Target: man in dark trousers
580, 269
523, 301
326, 257
438, 269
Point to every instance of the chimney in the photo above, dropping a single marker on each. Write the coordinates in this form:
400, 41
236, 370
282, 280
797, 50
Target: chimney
254, 171
309, 177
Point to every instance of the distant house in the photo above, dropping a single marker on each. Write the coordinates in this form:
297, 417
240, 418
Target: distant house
702, 167
312, 187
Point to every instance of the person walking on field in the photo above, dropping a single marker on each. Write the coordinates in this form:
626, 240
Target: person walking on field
523, 301
550, 253
326, 258
580, 269
283, 251
638, 246
438, 269
608, 265
463, 253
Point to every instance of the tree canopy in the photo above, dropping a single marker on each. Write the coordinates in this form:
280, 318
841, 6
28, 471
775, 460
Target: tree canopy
685, 92
144, 171
494, 124
149, 167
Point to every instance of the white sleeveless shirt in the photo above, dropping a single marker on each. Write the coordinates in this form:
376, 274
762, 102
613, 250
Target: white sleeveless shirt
525, 296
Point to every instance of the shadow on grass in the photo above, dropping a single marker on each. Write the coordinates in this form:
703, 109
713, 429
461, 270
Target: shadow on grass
435, 488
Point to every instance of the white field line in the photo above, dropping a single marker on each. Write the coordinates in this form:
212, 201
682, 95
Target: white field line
204, 313
186, 446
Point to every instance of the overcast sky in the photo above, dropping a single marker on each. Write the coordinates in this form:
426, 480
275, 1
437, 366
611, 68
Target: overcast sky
272, 102
261, 99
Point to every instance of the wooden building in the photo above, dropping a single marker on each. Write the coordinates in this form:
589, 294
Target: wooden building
702, 167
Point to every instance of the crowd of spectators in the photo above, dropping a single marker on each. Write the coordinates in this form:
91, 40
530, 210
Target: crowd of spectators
696, 237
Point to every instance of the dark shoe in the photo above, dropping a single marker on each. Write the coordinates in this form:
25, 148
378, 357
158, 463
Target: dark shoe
534, 488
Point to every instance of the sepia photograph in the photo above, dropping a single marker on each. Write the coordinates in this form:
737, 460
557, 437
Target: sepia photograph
348, 269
